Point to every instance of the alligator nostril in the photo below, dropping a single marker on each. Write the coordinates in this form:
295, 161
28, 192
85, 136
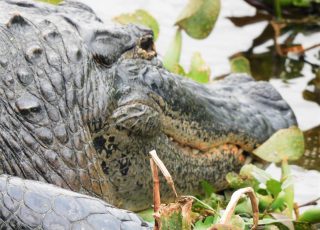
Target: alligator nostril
146, 43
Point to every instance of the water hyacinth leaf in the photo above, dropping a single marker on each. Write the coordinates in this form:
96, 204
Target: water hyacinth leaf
199, 70
204, 225
178, 69
198, 17
235, 181
289, 191
282, 219
244, 207
140, 17
274, 187
304, 226
172, 56
251, 171
147, 215
312, 215
54, 2
301, 3
240, 64
264, 201
280, 202
237, 222
284, 144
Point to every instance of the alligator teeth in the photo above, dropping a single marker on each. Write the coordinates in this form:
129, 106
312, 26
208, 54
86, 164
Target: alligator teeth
248, 160
170, 138
195, 151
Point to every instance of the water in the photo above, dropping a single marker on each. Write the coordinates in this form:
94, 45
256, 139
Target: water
227, 40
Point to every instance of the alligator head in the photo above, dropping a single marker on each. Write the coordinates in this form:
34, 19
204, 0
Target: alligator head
87, 117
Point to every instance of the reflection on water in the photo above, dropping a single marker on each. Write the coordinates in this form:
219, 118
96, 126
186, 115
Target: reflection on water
286, 60
312, 92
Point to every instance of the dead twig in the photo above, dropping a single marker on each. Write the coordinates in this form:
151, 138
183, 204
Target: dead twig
156, 191
313, 202
164, 170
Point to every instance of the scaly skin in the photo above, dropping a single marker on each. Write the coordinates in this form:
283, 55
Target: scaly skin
83, 103
35, 205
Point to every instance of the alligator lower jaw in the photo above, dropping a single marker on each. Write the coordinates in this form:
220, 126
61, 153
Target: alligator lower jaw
227, 148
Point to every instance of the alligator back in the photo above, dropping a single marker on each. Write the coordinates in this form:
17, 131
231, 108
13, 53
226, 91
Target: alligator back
42, 69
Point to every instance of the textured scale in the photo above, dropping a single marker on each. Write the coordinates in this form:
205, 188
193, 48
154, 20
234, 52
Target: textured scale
33, 205
80, 109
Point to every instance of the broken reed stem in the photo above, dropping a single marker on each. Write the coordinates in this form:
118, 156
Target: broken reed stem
226, 217
313, 202
164, 170
296, 210
156, 192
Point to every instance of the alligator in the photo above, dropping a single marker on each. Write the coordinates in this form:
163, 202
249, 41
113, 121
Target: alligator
82, 103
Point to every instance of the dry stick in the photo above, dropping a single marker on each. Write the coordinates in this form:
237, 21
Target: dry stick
307, 49
296, 210
225, 219
156, 192
164, 170
313, 202
156, 186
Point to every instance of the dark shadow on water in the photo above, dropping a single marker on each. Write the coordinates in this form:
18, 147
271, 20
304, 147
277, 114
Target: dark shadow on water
311, 158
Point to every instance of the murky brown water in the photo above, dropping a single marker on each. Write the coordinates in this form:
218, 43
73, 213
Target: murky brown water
292, 77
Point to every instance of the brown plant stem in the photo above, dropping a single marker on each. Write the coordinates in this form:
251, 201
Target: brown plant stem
312, 202
226, 217
156, 191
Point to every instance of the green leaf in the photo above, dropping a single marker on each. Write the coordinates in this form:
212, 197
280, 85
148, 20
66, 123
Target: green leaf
199, 225
289, 190
237, 222
178, 69
274, 187
140, 17
147, 215
251, 171
54, 2
280, 202
198, 17
207, 188
240, 64
199, 70
172, 56
312, 215
283, 220
284, 144
244, 207
301, 3
264, 201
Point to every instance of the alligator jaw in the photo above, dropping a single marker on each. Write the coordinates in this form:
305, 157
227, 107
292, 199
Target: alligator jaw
193, 151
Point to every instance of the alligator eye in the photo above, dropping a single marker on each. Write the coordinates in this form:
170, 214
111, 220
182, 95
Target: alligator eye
35, 109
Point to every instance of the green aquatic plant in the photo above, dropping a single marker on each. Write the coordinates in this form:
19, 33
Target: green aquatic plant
197, 20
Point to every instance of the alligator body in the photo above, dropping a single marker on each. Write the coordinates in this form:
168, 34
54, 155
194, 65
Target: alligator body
82, 104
